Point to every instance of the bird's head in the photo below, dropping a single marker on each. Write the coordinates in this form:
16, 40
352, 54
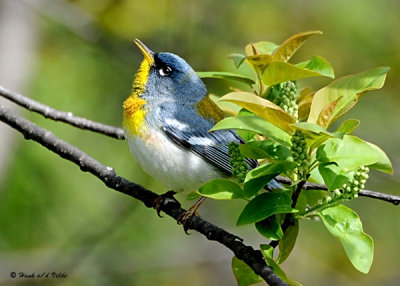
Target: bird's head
166, 77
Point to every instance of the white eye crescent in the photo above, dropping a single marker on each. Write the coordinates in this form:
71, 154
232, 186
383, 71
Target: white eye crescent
165, 71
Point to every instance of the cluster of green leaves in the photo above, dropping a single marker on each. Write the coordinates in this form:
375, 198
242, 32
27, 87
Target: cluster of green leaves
301, 147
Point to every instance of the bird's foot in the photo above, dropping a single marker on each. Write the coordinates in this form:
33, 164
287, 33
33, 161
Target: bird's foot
189, 213
162, 199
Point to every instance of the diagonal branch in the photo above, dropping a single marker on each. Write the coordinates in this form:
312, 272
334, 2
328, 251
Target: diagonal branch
115, 132
251, 257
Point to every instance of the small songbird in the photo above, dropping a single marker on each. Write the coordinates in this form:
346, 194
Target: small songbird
167, 119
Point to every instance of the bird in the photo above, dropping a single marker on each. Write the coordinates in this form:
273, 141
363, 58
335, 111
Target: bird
166, 121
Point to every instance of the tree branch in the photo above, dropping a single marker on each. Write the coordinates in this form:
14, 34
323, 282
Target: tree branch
63, 116
251, 257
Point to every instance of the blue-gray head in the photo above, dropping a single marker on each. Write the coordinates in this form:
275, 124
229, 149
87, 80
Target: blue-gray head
167, 77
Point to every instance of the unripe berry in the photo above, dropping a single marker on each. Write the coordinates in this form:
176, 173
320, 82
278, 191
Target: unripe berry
239, 166
285, 95
355, 185
299, 151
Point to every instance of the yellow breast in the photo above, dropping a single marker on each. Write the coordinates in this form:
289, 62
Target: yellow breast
134, 112
134, 115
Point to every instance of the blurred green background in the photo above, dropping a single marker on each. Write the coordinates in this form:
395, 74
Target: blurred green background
53, 217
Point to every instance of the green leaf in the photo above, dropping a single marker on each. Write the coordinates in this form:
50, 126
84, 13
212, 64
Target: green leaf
265, 205
255, 151
348, 89
301, 203
292, 44
263, 108
314, 134
348, 126
264, 149
384, 164
313, 196
227, 75
237, 59
315, 177
243, 273
254, 124
326, 113
307, 127
304, 103
318, 64
334, 178
277, 72
245, 134
268, 253
226, 106
260, 48
353, 152
259, 62
270, 228
344, 224
193, 196
221, 189
257, 178
286, 244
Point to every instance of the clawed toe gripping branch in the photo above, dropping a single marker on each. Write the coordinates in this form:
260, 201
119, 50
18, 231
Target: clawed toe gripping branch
250, 256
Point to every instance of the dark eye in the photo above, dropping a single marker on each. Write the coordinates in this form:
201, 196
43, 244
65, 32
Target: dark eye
165, 71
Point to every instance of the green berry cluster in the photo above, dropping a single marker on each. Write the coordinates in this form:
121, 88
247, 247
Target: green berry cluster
286, 98
300, 151
239, 166
352, 188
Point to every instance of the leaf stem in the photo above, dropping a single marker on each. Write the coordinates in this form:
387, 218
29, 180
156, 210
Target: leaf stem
320, 207
260, 83
313, 165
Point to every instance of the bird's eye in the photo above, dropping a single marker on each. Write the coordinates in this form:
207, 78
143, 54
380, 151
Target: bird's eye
165, 71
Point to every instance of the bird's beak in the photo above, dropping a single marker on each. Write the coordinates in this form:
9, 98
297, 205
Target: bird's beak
147, 53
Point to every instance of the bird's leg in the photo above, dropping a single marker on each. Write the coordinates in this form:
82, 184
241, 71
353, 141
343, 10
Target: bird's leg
162, 199
190, 212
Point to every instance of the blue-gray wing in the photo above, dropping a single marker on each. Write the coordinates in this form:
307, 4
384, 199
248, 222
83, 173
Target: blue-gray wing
191, 132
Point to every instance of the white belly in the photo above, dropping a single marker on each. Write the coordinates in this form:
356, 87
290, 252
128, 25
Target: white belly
178, 169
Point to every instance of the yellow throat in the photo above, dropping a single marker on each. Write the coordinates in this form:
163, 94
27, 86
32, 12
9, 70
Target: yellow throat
133, 106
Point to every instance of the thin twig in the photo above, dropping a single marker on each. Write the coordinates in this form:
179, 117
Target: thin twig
364, 193
63, 116
380, 196
251, 257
